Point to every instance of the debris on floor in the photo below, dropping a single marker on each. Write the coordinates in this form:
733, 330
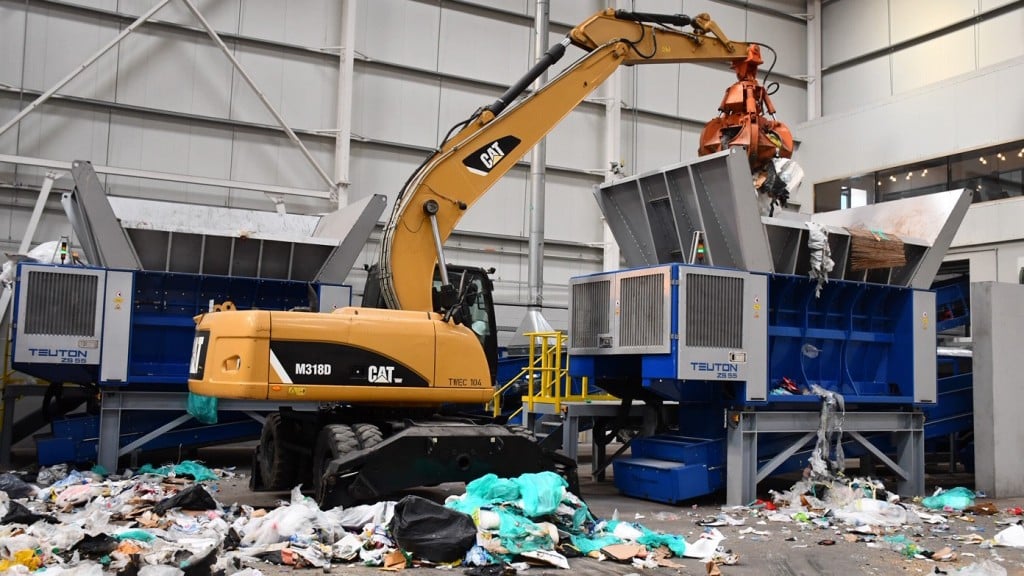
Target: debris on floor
167, 522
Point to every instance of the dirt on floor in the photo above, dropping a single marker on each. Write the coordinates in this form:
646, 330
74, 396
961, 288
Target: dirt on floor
784, 549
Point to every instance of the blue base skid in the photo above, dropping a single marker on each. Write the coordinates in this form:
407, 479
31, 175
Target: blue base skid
75, 439
671, 468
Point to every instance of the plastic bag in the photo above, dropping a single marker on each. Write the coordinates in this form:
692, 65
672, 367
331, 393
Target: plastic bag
95, 547
195, 497
955, 499
1012, 537
821, 254
17, 513
655, 540
47, 476
150, 570
356, 517
541, 493
872, 513
202, 408
187, 469
15, 487
587, 545
490, 489
431, 531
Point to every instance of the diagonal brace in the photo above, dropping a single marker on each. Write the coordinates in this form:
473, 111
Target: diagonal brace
259, 93
880, 455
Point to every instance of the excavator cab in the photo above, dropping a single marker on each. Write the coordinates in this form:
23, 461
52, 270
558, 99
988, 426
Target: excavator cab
476, 309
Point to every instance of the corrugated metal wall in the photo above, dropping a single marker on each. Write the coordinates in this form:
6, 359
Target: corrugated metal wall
166, 100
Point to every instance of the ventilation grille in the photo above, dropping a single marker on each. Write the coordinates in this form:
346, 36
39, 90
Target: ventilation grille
590, 303
714, 311
642, 321
61, 304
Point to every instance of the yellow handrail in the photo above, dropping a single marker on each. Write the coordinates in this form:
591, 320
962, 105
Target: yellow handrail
545, 370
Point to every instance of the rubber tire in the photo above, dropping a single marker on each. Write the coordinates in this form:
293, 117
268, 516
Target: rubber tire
368, 435
278, 465
333, 441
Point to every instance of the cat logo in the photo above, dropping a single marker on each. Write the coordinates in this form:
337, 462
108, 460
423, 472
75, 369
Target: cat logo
382, 375
485, 158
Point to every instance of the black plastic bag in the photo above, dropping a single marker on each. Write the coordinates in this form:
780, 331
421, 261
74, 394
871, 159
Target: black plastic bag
15, 487
17, 513
195, 497
431, 531
95, 547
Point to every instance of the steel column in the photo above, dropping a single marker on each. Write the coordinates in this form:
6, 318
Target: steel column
538, 162
346, 73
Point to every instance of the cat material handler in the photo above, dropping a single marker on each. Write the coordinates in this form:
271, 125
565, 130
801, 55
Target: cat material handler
387, 382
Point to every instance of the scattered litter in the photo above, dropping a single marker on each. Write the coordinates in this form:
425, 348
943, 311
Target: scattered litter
1012, 537
983, 568
954, 499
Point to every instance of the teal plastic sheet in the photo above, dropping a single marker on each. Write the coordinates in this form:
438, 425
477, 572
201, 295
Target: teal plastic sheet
202, 408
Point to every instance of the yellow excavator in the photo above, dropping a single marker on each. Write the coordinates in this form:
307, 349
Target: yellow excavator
384, 384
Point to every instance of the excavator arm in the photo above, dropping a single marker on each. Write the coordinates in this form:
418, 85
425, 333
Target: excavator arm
487, 145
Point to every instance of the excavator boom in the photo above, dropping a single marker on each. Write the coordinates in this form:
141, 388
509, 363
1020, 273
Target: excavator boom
490, 142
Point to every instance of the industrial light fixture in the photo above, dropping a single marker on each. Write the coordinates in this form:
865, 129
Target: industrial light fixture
924, 173
909, 174
982, 160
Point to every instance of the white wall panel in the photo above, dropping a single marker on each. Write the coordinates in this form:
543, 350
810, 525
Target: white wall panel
977, 109
732, 20
221, 14
103, 4
572, 213
57, 42
657, 87
578, 141
259, 157
375, 170
658, 143
171, 70
64, 132
855, 86
304, 89
12, 40
572, 13
304, 22
502, 210
395, 106
399, 31
915, 67
790, 103
479, 47
1001, 39
458, 102
913, 18
701, 88
788, 38
850, 28
519, 6
990, 4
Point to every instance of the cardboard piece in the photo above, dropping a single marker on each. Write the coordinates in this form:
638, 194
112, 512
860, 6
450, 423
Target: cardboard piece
394, 561
624, 552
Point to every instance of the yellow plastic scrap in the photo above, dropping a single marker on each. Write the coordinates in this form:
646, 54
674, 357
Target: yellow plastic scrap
27, 557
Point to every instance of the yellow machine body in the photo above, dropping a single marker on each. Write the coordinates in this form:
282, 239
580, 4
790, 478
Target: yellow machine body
353, 355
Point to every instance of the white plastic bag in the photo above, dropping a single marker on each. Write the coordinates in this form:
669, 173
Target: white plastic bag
872, 512
150, 570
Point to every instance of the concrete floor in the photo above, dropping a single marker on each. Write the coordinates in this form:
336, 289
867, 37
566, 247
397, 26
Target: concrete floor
759, 555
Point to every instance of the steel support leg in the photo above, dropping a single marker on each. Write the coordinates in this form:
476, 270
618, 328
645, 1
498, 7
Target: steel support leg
571, 437
7, 430
110, 430
741, 462
910, 457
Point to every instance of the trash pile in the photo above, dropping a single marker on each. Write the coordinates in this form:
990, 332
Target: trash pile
166, 522
942, 528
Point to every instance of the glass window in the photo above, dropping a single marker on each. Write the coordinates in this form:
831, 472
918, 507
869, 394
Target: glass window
992, 173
